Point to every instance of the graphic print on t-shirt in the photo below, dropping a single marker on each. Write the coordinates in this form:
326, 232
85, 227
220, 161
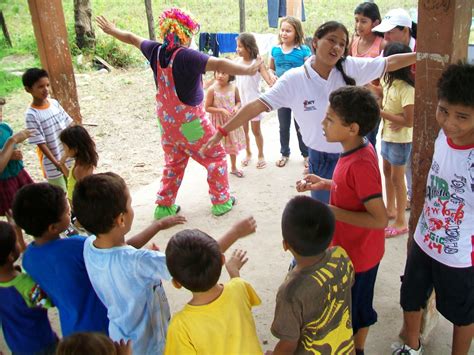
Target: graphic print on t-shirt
445, 209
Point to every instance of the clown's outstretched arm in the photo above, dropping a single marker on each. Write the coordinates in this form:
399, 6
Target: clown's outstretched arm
227, 66
124, 36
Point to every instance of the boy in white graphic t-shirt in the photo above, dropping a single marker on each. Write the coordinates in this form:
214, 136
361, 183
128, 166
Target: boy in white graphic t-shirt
443, 253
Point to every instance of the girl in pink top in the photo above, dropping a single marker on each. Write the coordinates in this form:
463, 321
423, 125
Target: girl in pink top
366, 43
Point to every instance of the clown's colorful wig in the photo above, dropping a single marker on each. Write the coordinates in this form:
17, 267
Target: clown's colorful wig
176, 27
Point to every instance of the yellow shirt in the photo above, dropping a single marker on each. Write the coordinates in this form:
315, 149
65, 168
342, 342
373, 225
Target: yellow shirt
225, 326
395, 98
71, 183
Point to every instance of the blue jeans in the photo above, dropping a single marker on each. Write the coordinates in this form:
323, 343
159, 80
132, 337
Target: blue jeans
372, 135
284, 116
322, 164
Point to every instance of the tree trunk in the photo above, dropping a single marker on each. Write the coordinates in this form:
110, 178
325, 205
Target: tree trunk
5, 29
150, 20
85, 36
242, 15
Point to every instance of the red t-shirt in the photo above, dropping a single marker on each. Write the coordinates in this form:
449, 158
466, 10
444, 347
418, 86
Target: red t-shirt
356, 180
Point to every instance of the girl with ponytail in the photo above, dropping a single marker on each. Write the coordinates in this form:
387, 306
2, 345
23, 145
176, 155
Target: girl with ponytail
305, 90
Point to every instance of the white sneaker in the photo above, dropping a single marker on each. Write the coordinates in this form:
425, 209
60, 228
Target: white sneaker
406, 350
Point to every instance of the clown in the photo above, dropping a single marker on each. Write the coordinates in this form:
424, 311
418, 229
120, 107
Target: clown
183, 123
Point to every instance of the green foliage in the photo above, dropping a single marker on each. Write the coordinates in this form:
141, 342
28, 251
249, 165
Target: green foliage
214, 16
9, 83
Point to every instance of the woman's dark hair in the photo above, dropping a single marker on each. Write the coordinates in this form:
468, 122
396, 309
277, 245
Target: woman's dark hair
329, 27
405, 73
369, 10
247, 40
413, 29
76, 137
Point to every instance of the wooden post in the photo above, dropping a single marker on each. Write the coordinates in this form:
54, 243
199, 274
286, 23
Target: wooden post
443, 35
150, 20
5, 29
242, 16
51, 36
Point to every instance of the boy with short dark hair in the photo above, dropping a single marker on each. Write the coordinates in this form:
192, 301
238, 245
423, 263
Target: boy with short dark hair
218, 319
46, 119
23, 306
442, 255
56, 264
355, 197
127, 280
321, 273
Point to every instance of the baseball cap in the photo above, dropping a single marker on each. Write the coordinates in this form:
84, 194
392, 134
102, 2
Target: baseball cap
394, 18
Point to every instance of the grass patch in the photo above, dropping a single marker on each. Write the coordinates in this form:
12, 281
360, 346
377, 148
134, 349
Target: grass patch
9, 83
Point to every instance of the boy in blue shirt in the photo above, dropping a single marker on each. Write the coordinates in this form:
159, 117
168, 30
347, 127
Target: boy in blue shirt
23, 304
56, 264
127, 279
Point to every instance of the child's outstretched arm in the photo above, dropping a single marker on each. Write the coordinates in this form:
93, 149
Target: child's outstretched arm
140, 239
124, 36
227, 66
245, 114
401, 60
9, 147
239, 230
237, 260
375, 217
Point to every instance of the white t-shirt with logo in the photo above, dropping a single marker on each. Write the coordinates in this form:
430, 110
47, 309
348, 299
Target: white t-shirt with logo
445, 230
307, 95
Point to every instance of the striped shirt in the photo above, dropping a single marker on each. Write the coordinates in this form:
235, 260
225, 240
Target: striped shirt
47, 123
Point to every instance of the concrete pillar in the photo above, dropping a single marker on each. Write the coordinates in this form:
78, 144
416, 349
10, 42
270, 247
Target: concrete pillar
51, 36
443, 36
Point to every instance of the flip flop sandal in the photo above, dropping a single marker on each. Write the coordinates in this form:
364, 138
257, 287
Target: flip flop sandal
391, 232
261, 164
282, 162
238, 173
245, 162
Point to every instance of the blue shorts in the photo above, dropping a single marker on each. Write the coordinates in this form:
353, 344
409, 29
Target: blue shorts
363, 312
396, 153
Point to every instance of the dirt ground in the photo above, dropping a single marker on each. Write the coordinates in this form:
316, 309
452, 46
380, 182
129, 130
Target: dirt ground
120, 108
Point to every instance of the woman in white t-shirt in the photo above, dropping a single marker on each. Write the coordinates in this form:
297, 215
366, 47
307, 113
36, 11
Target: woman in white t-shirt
306, 91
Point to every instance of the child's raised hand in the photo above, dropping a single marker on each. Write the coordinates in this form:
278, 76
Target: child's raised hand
236, 261
123, 348
312, 182
104, 24
245, 227
171, 221
21, 136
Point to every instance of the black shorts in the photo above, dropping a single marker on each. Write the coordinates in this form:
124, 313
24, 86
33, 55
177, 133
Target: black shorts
454, 287
363, 312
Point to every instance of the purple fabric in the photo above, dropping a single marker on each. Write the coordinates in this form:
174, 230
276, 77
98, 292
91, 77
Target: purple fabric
188, 67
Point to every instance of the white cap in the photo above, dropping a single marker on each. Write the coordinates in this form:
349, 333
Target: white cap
394, 18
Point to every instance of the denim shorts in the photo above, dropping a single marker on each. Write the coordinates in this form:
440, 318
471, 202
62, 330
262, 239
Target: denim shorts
396, 153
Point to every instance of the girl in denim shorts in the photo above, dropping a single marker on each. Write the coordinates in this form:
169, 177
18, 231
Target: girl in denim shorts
397, 114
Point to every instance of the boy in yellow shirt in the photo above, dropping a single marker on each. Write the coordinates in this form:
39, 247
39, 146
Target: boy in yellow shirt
218, 319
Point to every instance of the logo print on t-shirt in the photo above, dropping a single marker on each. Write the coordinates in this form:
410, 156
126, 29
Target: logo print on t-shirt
309, 105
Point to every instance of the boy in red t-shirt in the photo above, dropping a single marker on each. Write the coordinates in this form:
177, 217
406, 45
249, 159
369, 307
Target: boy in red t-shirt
355, 197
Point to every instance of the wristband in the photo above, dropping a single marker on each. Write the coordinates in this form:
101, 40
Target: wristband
222, 131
